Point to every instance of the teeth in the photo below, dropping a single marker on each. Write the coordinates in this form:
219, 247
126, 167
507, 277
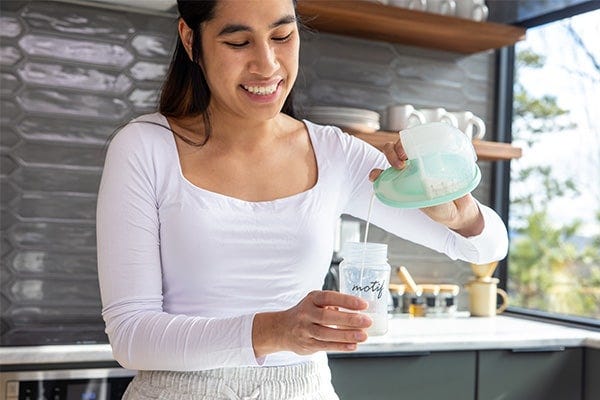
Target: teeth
261, 90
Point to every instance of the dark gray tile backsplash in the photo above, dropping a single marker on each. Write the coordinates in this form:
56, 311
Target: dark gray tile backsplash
71, 74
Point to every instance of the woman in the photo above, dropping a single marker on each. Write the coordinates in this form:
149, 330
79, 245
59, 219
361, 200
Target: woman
216, 217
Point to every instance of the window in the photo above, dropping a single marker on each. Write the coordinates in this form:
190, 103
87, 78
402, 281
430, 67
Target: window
554, 210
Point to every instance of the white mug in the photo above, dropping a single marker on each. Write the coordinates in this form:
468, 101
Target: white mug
403, 116
472, 9
439, 114
470, 124
444, 7
419, 5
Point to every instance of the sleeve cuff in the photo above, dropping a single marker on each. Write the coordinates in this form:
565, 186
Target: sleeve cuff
490, 245
247, 346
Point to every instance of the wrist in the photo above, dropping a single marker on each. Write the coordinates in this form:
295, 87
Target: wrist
265, 339
472, 225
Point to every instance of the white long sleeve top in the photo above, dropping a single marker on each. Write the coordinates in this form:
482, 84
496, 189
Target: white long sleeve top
183, 270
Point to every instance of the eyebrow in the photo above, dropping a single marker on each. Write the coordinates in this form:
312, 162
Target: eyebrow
233, 28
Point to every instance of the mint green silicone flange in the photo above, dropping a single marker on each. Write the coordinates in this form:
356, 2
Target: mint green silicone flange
408, 189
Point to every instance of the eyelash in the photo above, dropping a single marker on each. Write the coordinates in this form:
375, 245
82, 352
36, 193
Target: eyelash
283, 39
277, 39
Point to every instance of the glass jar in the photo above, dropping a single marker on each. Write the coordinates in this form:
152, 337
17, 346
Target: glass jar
365, 273
430, 294
447, 299
417, 307
397, 292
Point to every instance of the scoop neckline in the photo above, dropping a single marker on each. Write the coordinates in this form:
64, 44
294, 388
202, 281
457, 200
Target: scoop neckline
222, 196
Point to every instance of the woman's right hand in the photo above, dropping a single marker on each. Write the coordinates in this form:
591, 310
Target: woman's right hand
316, 323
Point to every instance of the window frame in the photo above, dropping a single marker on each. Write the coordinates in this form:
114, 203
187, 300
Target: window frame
500, 185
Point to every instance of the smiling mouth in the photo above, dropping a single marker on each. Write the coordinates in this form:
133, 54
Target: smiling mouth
261, 90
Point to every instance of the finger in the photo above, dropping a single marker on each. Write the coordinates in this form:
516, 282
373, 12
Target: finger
328, 334
442, 213
389, 150
332, 346
399, 149
347, 320
325, 298
464, 201
374, 174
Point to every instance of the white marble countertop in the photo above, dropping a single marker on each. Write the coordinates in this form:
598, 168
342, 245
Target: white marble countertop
404, 335
473, 333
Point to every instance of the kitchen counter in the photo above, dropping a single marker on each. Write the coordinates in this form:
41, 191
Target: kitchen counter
404, 335
474, 333
80, 353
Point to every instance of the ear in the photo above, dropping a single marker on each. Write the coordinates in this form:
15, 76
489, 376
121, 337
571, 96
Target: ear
186, 35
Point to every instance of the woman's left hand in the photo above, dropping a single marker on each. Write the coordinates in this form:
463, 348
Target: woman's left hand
461, 215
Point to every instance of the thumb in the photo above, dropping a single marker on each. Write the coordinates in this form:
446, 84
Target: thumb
374, 174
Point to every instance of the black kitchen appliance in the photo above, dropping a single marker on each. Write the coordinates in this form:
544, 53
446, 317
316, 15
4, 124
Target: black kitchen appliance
65, 384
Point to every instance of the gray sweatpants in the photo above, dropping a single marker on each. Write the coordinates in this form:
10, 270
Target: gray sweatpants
306, 381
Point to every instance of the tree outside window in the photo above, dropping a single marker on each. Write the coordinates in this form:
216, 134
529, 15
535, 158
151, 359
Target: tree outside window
554, 260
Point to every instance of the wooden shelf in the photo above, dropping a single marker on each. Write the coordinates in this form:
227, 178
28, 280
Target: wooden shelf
369, 20
496, 151
486, 151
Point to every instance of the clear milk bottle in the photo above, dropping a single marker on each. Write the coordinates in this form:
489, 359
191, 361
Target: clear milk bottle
365, 273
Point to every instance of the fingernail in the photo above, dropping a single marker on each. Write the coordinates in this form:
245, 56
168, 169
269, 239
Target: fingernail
359, 336
351, 346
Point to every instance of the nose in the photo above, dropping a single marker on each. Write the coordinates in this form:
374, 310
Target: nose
264, 61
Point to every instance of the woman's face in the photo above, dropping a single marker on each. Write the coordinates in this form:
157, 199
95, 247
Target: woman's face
250, 57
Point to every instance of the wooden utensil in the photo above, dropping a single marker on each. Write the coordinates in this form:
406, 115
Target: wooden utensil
411, 286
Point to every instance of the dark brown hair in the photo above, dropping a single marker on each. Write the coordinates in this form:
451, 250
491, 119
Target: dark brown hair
185, 92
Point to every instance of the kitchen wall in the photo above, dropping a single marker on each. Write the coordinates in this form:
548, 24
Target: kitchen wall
71, 74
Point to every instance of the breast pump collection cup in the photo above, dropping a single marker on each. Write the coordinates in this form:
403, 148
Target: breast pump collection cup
441, 167
365, 273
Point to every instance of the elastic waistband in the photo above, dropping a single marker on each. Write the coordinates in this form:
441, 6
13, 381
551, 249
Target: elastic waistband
280, 382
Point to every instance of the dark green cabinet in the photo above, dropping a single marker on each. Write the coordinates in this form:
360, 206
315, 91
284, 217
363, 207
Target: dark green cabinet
438, 375
542, 373
591, 379
535, 374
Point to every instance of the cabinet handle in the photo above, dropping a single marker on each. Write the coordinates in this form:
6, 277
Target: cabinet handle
381, 354
543, 349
